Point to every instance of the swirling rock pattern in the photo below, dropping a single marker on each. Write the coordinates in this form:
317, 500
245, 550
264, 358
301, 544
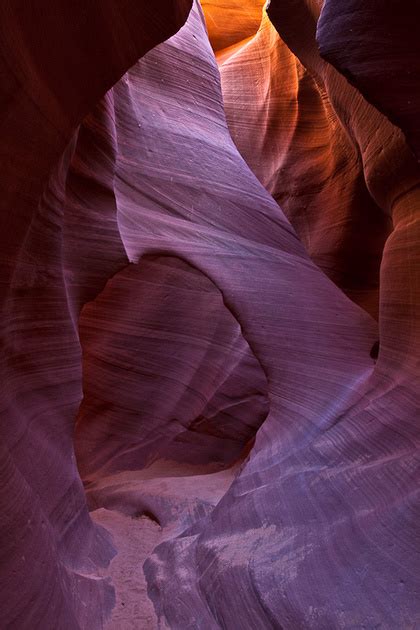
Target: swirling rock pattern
197, 267
56, 61
284, 123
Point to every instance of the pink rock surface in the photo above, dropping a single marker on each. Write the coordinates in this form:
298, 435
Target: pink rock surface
56, 61
197, 267
289, 130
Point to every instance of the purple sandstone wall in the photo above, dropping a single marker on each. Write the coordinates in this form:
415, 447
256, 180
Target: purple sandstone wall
198, 260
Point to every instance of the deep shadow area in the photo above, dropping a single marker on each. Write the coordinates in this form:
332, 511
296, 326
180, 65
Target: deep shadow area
167, 373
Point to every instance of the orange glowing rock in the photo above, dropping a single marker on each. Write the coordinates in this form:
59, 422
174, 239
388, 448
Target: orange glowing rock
230, 23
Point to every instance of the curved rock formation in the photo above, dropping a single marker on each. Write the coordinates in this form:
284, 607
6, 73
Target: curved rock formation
381, 56
285, 125
209, 288
173, 364
56, 61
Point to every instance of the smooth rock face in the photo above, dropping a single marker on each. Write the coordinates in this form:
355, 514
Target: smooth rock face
288, 129
174, 336
56, 60
381, 56
210, 331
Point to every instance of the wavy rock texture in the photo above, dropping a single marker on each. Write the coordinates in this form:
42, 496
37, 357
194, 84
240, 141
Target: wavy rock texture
56, 60
197, 268
283, 122
381, 56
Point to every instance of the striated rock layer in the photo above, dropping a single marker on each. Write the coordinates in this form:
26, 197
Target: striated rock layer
56, 60
210, 331
287, 125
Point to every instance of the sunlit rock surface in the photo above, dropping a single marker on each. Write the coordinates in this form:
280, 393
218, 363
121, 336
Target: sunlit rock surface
210, 330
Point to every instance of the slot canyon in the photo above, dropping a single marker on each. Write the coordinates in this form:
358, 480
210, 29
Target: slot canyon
210, 290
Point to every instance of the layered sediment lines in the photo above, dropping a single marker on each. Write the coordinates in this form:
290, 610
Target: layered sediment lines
200, 257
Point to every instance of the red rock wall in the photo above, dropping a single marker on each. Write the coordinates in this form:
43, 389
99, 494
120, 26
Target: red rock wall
289, 131
196, 270
56, 60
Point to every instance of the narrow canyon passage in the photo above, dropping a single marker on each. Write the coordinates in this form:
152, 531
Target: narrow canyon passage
210, 332
172, 458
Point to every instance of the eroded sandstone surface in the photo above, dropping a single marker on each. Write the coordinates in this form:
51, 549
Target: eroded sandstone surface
209, 305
